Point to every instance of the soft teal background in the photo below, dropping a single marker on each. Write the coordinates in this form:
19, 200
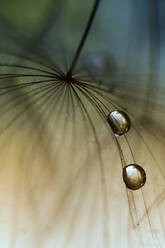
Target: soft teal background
121, 28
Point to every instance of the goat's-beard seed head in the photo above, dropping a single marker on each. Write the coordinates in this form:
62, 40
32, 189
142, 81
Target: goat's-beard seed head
61, 164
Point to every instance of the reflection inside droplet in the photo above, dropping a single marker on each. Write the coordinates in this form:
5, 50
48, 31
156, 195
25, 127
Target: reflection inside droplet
119, 122
134, 176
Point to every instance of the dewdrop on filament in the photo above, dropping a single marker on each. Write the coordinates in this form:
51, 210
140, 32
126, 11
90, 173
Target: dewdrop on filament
119, 122
134, 176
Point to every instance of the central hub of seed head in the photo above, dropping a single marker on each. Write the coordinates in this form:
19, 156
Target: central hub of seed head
67, 78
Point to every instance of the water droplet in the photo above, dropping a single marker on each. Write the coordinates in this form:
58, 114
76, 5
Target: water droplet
119, 122
134, 176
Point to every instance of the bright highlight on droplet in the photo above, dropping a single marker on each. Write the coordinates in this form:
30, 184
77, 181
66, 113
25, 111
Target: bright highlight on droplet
119, 122
134, 176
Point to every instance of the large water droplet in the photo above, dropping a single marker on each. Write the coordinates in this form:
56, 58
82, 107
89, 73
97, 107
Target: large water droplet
119, 122
134, 176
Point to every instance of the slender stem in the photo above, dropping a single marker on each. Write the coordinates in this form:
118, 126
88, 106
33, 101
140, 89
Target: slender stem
90, 21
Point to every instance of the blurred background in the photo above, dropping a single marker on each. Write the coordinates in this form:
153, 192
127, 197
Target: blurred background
50, 193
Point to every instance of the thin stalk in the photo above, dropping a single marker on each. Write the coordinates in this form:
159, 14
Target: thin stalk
87, 29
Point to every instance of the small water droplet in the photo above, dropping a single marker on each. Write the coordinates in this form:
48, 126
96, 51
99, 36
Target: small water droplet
134, 176
119, 122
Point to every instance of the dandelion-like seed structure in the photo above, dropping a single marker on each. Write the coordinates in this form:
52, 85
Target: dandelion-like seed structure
81, 126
